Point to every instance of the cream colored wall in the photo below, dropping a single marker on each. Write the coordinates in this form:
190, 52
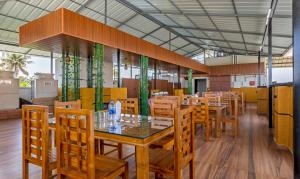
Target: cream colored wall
107, 70
9, 91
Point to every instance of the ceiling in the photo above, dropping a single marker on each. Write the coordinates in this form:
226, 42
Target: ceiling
184, 26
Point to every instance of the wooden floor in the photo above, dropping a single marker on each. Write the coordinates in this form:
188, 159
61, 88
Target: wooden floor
252, 155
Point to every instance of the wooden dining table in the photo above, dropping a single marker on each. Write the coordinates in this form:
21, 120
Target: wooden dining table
136, 130
219, 109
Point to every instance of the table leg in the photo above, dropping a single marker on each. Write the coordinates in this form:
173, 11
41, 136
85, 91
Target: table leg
218, 123
142, 162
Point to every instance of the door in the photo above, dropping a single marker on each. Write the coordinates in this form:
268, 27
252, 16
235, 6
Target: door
200, 86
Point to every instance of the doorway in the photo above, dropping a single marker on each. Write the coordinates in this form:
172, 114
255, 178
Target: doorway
200, 86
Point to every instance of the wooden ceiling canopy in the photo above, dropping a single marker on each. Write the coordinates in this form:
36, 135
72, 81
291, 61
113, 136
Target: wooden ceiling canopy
64, 30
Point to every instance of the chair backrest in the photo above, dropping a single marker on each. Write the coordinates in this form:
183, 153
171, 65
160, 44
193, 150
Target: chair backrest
130, 106
201, 112
235, 106
184, 138
162, 108
69, 104
176, 99
35, 134
213, 100
75, 143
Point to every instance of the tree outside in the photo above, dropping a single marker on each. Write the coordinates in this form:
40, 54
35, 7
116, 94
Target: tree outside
17, 63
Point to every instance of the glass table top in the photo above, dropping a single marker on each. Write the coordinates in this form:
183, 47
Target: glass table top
135, 126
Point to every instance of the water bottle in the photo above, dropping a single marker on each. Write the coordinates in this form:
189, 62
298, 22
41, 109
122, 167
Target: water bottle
118, 110
111, 110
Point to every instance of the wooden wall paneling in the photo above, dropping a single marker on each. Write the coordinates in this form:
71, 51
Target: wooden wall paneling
113, 38
106, 35
120, 39
132, 86
51, 23
97, 32
48, 33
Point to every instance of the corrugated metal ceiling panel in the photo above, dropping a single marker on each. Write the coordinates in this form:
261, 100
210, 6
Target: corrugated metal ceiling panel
233, 36
142, 24
217, 6
253, 24
252, 6
226, 23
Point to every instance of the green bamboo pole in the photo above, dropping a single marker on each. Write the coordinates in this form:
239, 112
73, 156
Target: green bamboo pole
190, 83
98, 59
76, 65
90, 72
144, 85
63, 86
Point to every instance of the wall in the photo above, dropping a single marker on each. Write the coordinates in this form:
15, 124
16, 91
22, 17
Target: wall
25, 93
9, 91
277, 74
228, 60
238, 81
107, 70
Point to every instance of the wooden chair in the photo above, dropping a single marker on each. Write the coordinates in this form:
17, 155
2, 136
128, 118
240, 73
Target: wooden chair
226, 100
233, 120
35, 140
69, 104
171, 163
163, 108
75, 148
176, 99
201, 115
129, 106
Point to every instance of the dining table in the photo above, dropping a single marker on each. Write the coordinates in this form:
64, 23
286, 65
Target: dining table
218, 109
139, 131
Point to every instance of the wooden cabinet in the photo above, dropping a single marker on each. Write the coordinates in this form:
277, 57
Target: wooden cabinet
283, 115
284, 130
87, 97
263, 101
114, 94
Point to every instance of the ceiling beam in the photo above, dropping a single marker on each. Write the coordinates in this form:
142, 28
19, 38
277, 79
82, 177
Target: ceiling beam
137, 10
233, 41
191, 21
239, 23
230, 31
154, 12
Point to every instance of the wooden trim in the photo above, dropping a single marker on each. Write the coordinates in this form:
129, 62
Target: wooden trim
66, 29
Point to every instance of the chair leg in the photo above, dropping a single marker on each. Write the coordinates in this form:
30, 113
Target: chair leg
192, 169
97, 146
125, 175
45, 172
120, 151
101, 147
25, 169
207, 131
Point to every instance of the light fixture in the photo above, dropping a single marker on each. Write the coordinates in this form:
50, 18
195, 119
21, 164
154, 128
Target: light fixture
268, 16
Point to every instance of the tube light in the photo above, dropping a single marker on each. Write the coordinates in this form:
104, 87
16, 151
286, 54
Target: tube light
268, 16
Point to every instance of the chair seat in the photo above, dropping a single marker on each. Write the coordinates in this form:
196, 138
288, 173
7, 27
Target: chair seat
161, 161
166, 142
109, 167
